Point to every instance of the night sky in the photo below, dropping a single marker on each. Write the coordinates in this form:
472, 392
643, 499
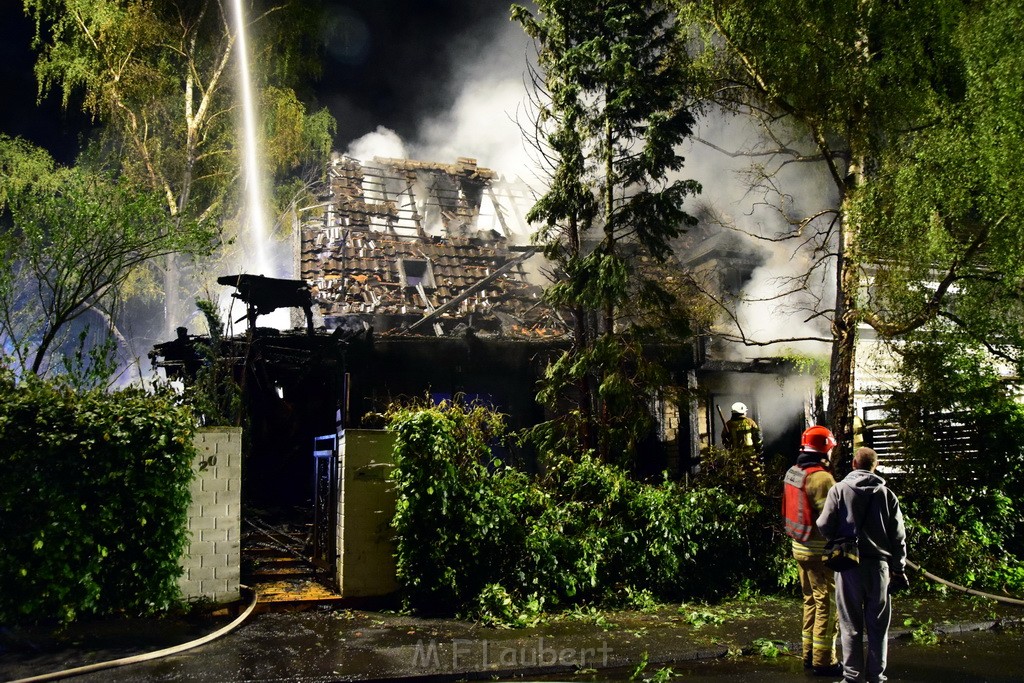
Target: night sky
45, 124
388, 63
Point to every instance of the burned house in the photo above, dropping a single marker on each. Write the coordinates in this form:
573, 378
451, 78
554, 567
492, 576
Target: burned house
424, 270
417, 280
407, 247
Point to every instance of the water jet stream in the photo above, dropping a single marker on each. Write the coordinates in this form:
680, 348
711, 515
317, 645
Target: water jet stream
255, 213
255, 217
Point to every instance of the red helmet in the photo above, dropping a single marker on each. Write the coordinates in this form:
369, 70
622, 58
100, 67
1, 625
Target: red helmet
818, 439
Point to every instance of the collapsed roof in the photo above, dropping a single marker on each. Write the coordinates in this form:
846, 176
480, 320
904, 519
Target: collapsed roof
412, 247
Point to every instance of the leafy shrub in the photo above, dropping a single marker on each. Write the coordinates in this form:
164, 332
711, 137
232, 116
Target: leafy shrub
442, 505
93, 500
964, 511
482, 539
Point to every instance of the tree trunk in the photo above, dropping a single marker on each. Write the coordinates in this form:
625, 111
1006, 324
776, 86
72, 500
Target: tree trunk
840, 391
583, 341
844, 339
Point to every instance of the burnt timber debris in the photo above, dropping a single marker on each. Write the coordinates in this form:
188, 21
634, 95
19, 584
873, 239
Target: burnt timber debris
264, 295
413, 276
410, 247
416, 282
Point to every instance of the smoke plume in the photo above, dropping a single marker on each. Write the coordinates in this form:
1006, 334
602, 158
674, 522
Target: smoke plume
744, 194
760, 202
488, 100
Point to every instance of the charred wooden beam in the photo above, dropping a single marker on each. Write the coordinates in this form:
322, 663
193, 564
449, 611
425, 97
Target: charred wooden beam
471, 290
264, 295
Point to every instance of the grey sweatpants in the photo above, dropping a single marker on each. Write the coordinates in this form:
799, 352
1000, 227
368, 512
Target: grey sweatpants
862, 598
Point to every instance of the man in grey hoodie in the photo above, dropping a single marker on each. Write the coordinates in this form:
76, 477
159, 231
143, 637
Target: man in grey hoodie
861, 505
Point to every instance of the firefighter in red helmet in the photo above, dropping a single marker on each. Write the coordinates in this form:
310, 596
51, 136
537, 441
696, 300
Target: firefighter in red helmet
805, 488
817, 439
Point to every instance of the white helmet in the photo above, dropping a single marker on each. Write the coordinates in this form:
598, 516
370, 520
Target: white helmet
739, 408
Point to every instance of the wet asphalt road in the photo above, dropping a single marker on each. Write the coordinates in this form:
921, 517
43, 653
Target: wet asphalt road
986, 656
979, 657
347, 645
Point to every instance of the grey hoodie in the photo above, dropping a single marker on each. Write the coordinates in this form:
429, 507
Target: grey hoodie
863, 495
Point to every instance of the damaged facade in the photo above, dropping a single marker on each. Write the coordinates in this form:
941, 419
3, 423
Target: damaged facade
417, 279
421, 281
782, 399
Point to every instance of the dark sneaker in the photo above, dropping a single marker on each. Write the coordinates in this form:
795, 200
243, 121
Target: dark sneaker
830, 670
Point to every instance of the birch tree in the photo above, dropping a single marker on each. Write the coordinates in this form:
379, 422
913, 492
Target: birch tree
161, 76
69, 241
881, 92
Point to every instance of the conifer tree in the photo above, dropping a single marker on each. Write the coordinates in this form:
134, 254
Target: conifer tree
612, 112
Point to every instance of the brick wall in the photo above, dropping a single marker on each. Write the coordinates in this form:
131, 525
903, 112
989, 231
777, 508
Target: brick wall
212, 563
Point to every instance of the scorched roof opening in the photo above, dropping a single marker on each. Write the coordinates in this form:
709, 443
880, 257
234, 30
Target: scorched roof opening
416, 272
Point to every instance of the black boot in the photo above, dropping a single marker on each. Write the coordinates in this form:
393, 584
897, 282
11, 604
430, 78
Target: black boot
829, 670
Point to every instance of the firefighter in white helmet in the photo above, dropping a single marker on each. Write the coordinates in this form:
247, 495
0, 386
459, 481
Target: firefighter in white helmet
741, 435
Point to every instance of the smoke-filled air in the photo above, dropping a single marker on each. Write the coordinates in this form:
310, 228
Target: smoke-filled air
487, 120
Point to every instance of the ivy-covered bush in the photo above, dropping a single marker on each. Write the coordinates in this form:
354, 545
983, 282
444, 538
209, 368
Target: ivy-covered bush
482, 539
93, 500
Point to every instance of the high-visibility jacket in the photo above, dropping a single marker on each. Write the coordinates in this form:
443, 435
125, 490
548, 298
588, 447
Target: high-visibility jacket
798, 512
803, 496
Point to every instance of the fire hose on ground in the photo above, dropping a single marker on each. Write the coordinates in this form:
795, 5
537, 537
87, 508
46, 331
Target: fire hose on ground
965, 589
252, 605
146, 656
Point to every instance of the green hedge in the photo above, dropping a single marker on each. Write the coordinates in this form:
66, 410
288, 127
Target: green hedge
94, 498
480, 539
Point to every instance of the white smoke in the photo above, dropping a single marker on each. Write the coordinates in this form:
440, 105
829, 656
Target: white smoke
383, 142
750, 196
481, 125
489, 98
491, 110
776, 306
490, 103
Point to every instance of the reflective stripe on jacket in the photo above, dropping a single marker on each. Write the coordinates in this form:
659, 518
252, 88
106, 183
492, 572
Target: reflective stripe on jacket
742, 434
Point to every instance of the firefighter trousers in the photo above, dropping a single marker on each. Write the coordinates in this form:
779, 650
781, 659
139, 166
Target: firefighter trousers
817, 584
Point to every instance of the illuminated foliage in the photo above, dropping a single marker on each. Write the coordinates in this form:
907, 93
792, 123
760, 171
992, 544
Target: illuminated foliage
161, 78
809, 71
93, 501
71, 242
484, 540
